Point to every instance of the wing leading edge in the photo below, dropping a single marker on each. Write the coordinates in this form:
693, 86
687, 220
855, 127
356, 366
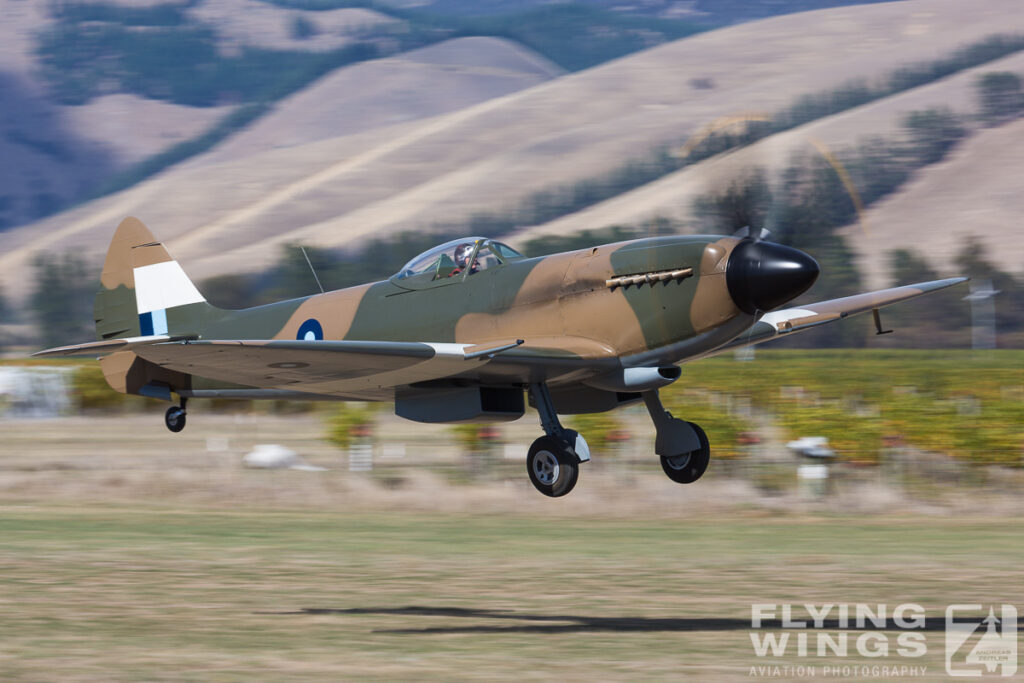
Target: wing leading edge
790, 320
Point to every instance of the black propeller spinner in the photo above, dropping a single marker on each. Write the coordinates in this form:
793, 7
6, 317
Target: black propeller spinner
764, 275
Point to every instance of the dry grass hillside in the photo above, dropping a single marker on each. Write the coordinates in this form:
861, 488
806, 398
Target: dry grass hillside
55, 153
227, 212
413, 85
986, 206
19, 21
52, 152
358, 99
976, 191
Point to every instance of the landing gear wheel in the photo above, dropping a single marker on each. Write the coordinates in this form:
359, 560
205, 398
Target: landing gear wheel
687, 468
174, 418
552, 467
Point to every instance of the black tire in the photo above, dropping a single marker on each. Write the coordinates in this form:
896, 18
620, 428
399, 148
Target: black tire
174, 418
553, 469
687, 468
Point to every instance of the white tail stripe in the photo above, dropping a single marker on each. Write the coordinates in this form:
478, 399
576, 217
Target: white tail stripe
163, 285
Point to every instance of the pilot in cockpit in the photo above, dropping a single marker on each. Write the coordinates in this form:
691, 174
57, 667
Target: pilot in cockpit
462, 255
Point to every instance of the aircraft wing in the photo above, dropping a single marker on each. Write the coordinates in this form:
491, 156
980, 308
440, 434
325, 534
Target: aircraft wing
322, 367
352, 368
789, 320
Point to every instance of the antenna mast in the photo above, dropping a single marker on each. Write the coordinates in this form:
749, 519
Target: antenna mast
312, 269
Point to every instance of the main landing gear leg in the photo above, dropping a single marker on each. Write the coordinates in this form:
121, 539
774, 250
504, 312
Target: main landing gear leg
174, 418
554, 459
682, 446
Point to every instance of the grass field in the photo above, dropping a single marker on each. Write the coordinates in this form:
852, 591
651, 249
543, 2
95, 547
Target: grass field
131, 554
143, 592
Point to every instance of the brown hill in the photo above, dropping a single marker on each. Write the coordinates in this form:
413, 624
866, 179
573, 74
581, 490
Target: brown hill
54, 154
413, 85
975, 192
672, 196
226, 212
372, 95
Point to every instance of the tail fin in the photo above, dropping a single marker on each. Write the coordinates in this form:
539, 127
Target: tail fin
143, 291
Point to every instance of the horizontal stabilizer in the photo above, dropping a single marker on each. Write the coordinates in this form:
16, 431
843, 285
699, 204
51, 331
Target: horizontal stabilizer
102, 348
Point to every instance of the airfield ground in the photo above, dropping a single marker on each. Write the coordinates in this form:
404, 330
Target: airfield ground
159, 560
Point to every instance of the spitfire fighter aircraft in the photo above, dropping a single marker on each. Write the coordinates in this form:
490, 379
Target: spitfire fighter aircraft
465, 329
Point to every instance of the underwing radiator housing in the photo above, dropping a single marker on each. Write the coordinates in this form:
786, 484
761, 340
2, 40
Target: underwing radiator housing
461, 404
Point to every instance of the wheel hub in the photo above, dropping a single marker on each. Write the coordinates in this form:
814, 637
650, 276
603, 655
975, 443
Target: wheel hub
545, 467
678, 462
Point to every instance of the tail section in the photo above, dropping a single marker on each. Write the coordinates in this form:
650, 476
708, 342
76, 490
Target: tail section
143, 291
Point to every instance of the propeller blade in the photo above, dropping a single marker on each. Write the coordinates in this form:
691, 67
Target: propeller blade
755, 234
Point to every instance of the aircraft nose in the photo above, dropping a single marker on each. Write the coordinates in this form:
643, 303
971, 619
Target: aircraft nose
763, 275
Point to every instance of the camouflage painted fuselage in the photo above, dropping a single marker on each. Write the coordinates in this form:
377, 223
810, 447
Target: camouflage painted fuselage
581, 314
465, 327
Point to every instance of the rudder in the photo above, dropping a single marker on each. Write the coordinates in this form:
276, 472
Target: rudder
139, 283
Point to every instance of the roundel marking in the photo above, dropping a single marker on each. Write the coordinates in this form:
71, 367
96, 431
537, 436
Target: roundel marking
310, 330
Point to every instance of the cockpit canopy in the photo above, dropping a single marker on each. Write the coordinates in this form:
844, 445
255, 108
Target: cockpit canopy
467, 254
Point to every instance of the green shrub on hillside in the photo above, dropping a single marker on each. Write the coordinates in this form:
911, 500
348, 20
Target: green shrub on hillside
1001, 96
61, 302
302, 28
933, 132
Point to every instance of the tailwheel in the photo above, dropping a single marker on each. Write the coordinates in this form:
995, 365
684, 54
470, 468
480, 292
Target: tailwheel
687, 468
174, 418
553, 467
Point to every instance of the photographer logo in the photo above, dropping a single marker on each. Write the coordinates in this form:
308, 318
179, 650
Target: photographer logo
976, 647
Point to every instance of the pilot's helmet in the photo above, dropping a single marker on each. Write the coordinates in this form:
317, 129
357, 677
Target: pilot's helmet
462, 253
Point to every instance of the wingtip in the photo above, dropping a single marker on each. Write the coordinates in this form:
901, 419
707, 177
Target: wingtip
941, 284
54, 353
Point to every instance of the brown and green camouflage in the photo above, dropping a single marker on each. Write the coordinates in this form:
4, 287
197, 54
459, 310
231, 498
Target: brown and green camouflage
586, 323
